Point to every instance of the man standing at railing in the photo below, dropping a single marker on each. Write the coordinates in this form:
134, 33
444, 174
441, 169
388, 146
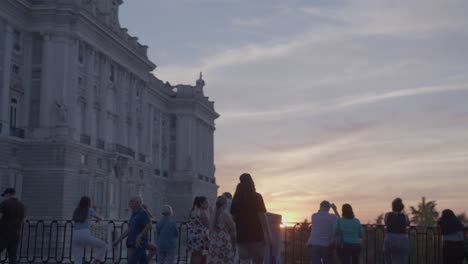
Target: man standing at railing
137, 233
12, 217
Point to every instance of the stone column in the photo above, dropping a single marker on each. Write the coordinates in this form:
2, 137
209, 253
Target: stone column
5, 89
133, 106
27, 49
46, 82
90, 116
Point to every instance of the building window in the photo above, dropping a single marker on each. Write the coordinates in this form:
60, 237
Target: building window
81, 53
13, 112
84, 159
130, 171
99, 163
80, 83
100, 193
83, 117
112, 73
15, 69
16, 41
142, 174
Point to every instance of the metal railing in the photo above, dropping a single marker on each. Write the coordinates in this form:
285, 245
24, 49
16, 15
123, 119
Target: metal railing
46, 241
51, 242
425, 244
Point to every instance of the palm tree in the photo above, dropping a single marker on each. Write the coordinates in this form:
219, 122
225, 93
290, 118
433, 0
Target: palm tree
380, 219
426, 213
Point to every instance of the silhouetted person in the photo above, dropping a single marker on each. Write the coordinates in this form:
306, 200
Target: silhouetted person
249, 213
351, 232
137, 233
12, 217
396, 243
198, 229
321, 236
82, 238
453, 238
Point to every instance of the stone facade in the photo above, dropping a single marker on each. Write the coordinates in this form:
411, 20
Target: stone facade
82, 114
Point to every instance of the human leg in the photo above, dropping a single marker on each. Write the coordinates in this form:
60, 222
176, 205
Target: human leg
12, 249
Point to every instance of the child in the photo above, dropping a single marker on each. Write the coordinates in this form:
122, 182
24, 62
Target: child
166, 232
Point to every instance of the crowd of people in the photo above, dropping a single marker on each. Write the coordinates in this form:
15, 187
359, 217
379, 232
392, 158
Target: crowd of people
332, 234
234, 231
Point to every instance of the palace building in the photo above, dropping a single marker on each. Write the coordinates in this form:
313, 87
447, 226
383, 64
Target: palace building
82, 114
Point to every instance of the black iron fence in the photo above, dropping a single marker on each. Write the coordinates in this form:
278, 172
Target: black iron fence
51, 242
425, 244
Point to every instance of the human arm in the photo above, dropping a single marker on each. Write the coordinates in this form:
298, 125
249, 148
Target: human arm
261, 209
117, 241
333, 206
205, 218
146, 222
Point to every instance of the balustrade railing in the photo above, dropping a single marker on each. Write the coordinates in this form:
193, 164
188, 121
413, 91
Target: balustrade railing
50, 241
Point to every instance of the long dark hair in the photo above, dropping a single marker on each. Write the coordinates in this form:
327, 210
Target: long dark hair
347, 211
449, 223
220, 202
397, 205
198, 202
81, 212
245, 190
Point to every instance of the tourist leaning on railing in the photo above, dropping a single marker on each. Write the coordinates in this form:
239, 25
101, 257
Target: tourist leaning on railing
82, 237
452, 231
396, 243
350, 230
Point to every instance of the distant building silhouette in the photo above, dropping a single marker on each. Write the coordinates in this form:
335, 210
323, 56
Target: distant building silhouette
82, 114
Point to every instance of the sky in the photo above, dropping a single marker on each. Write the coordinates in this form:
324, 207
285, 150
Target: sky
350, 101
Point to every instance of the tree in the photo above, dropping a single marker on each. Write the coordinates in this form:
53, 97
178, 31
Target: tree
426, 213
380, 219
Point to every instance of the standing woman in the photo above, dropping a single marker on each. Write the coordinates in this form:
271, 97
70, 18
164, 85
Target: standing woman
396, 243
82, 237
453, 238
248, 210
222, 235
351, 232
198, 228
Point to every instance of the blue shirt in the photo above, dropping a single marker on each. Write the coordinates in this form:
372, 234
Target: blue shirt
350, 229
166, 233
86, 223
136, 224
322, 230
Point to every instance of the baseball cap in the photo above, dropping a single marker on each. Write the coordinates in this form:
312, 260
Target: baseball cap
8, 191
325, 204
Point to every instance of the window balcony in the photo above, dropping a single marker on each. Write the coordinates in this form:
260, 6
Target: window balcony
141, 157
124, 150
100, 144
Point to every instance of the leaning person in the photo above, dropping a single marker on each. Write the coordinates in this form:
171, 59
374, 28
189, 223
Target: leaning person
396, 243
453, 250
351, 232
82, 238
